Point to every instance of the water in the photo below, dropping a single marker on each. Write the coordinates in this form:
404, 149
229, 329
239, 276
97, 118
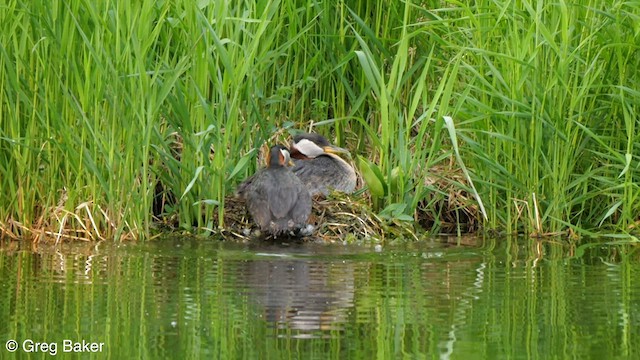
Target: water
185, 298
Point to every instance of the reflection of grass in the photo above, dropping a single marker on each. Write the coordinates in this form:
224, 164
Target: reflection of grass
184, 297
506, 117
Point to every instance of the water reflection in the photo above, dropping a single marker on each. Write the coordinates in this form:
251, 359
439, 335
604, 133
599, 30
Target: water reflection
198, 298
77, 263
298, 294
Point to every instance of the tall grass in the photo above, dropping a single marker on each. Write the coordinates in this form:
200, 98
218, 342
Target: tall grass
544, 100
114, 115
551, 113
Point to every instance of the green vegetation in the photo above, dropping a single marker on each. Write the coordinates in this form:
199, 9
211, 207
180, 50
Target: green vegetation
517, 116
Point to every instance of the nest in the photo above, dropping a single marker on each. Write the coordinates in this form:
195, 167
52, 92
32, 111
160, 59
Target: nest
448, 205
448, 208
337, 218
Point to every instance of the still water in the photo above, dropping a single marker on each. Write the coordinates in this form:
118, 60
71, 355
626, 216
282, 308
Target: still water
437, 299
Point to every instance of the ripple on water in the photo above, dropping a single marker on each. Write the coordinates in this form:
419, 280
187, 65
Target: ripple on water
209, 297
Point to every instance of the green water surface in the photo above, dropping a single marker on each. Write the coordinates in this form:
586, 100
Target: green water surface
194, 298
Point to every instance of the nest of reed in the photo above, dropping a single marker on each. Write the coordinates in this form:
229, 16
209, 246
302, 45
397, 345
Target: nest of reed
338, 218
447, 208
349, 218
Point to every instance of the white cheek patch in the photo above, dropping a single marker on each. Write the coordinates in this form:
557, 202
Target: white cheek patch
309, 148
285, 156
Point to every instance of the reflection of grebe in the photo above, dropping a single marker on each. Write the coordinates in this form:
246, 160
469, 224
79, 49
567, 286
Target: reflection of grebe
302, 295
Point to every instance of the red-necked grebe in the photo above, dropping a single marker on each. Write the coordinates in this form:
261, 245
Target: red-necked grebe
277, 200
319, 167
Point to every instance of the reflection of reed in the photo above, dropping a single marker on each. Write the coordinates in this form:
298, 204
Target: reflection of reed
76, 263
302, 295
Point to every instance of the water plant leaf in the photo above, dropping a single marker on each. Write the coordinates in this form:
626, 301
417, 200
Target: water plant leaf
193, 181
370, 70
396, 174
396, 211
448, 120
627, 158
241, 165
373, 180
207, 202
610, 212
376, 170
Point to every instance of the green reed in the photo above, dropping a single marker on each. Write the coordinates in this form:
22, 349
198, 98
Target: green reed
543, 105
115, 115
551, 112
